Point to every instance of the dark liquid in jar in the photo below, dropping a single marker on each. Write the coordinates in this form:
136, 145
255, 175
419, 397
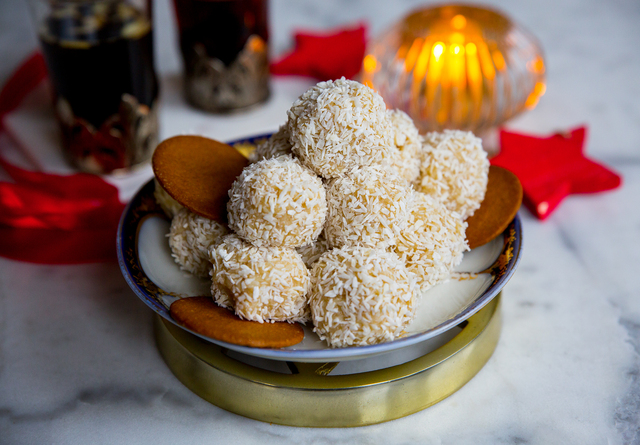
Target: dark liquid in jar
101, 66
224, 47
222, 27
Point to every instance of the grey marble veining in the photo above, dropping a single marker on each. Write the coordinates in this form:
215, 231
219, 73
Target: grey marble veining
627, 414
78, 363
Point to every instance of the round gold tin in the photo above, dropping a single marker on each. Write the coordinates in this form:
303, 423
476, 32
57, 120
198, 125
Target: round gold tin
310, 396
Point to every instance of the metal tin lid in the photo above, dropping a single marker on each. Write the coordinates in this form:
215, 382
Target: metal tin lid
307, 394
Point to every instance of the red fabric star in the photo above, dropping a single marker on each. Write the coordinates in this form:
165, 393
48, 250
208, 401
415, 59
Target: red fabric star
325, 56
552, 168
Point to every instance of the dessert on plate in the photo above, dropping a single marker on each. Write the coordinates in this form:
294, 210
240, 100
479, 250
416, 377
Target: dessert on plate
340, 220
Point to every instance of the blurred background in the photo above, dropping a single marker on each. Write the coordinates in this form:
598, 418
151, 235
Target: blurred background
590, 50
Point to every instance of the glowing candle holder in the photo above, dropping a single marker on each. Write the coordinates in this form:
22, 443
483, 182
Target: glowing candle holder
456, 66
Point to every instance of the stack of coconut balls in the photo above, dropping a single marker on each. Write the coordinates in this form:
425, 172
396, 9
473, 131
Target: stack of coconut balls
342, 218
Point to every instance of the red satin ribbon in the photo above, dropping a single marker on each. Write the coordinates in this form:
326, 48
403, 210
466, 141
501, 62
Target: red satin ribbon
47, 218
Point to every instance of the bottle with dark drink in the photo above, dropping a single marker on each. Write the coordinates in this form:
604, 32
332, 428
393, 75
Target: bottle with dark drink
224, 46
99, 55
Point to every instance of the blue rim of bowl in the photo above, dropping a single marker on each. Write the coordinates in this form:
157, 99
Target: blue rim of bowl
143, 206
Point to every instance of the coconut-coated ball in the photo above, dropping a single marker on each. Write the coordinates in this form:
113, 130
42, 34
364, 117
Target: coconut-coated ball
338, 125
360, 296
260, 283
277, 202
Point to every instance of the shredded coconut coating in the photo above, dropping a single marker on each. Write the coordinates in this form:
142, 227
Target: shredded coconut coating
260, 283
277, 145
406, 154
277, 202
338, 125
190, 238
433, 242
367, 207
361, 296
169, 206
454, 170
311, 252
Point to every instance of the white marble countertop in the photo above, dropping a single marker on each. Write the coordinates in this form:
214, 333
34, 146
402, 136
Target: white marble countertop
78, 363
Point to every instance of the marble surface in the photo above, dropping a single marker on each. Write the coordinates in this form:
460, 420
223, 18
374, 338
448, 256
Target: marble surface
78, 362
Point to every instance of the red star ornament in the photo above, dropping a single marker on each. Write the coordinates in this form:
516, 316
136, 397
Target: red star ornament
325, 56
551, 168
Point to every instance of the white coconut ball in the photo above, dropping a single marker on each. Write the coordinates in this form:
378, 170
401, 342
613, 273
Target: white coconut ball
339, 125
405, 158
260, 283
433, 241
190, 238
454, 170
277, 145
360, 296
277, 202
368, 207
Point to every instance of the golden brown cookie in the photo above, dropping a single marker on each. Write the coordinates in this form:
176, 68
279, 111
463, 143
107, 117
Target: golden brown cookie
500, 205
198, 173
202, 315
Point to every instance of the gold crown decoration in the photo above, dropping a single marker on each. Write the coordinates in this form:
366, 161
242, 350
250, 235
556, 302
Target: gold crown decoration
456, 66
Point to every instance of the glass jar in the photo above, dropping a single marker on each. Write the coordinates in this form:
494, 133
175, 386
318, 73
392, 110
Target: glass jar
224, 45
456, 66
99, 54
